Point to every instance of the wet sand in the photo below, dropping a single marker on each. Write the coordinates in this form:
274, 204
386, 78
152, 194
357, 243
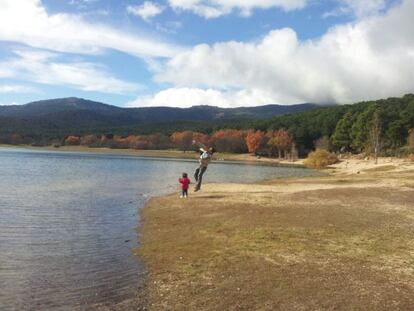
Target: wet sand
339, 242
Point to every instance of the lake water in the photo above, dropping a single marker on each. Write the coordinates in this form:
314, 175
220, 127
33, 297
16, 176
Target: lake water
68, 224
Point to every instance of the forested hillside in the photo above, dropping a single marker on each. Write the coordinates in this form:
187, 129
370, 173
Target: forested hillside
56, 118
348, 127
384, 125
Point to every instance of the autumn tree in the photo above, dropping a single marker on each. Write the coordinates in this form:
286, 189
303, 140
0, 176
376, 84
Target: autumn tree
253, 140
282, 141
120, 142
201, 138
72, 140
89, 140
229, 140
158, 141
138, 142
182, 140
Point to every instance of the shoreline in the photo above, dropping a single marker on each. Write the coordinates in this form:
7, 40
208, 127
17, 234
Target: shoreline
165, 154
286, 243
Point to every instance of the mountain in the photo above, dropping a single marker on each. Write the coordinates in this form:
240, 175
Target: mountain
76, 114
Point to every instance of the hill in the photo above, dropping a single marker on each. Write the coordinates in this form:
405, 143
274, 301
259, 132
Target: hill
68, 115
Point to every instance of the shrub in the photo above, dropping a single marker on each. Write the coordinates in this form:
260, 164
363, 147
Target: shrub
320, 159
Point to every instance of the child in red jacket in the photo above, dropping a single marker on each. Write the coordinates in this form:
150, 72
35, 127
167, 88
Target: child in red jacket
185, 182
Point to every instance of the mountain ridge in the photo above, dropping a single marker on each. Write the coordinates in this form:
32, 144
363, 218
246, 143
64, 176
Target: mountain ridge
70, 105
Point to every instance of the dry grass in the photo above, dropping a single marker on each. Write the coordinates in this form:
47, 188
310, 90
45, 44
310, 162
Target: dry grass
344, 244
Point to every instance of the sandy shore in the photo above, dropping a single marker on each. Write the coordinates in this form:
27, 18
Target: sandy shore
340, 242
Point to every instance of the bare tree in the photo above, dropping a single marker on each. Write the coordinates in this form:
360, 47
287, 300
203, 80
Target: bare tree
375, 135
410, 139
294, 154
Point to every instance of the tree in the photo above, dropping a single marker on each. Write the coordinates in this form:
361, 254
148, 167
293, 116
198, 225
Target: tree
341, 138
396, 134
282, 141
254, 140
294, 154
360, 131
72, 140
200, 138
229, 140
375, 135
89, 140
322, 143
182, 140
158, 141
410, 139
139, 142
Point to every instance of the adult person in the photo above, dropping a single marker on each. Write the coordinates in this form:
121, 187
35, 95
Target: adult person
205, 158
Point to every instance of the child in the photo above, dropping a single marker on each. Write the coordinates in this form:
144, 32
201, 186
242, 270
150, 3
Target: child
185, 182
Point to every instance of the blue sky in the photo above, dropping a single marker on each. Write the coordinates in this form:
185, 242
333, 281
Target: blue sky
217, 52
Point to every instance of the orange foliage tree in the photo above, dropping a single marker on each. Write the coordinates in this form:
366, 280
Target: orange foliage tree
254, 140
158, 141
120, 142
89, 140
138, 142
182, 140
201, 138
229, 141
281, 140
72, 140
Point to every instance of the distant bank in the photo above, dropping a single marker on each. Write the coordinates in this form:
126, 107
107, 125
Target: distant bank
175, 154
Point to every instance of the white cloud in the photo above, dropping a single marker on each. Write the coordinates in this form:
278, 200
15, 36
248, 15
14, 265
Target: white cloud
217, 8
10, 104
187, 97
146, 11
14, 88
369, 59
28, 22
44, 67
5, 72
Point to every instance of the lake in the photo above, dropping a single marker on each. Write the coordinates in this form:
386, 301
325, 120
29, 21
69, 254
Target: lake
68, 223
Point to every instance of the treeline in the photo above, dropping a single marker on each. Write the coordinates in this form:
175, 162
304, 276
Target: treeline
382, 127
386, 125
270, 143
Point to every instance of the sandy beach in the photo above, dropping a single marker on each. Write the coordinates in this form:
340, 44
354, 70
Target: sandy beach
338, 242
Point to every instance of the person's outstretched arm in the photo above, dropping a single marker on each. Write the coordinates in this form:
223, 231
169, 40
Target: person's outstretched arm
200, 145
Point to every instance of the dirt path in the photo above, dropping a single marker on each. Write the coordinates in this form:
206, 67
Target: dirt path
341, 242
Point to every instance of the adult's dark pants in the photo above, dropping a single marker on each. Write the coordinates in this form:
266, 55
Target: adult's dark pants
198, 175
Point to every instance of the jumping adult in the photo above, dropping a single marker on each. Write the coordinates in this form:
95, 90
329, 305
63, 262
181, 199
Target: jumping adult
205, 158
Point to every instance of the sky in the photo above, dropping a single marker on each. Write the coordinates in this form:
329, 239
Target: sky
225, 53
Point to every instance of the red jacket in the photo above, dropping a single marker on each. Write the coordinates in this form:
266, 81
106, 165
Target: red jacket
184, 183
